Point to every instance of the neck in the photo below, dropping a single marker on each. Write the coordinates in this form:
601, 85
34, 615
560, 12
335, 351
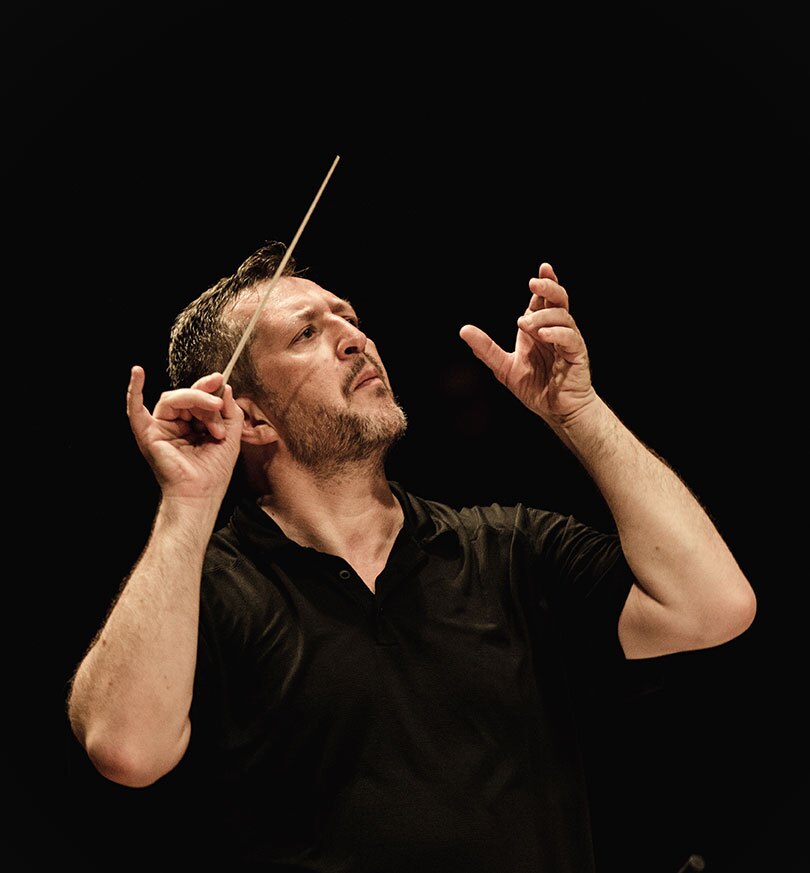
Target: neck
353, 514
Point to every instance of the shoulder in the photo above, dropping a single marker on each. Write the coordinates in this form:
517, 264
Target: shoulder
432, 516
495, 515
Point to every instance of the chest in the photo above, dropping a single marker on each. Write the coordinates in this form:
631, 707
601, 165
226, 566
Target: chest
432, 646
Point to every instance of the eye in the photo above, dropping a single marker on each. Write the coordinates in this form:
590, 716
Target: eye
353, 319
307, 333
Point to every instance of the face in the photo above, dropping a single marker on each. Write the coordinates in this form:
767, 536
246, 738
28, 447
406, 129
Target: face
328, 394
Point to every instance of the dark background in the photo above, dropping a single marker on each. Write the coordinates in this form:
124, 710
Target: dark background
655, 154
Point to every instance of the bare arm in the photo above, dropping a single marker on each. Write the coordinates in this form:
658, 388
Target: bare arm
689, 593
131, 694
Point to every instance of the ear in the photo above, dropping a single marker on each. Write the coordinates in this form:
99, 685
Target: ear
257, 429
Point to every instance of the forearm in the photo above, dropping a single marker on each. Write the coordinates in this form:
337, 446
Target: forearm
131, 694
692, 586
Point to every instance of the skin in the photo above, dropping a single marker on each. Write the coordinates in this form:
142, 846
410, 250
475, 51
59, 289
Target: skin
131, 694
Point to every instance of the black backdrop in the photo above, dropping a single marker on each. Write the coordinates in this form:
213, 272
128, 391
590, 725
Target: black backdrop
655, 154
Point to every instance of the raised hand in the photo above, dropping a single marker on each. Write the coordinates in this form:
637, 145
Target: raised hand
548, 371
192, 438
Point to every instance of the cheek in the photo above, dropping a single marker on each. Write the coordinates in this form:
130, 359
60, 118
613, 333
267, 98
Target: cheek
312, 383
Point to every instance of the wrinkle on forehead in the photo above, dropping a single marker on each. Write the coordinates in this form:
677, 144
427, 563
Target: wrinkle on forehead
283, 297
247, 301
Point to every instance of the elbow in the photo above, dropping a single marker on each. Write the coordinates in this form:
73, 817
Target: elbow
131, 745
123, 768
730, 617
743, 611
131, 762
648, 628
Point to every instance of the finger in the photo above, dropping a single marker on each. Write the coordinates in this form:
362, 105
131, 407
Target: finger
197, 406
136, 411
547, 292
231, 410
209, 382
207, 420
483, 347
567, 343
231, 413
211, 425
556, 317
546, 271
175, 404
137, 378
561, 333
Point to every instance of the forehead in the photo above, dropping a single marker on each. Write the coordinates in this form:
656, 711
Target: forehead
292, 297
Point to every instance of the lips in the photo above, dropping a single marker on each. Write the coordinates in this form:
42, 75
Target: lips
367, 375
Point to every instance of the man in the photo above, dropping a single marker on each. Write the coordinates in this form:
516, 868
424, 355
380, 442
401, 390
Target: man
372, 682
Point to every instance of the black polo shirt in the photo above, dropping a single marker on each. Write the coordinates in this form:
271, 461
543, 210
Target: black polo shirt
426, 727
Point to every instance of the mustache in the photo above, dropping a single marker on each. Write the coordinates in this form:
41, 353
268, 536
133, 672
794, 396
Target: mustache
363, 360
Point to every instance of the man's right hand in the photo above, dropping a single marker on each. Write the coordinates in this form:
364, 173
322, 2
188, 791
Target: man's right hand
192, 438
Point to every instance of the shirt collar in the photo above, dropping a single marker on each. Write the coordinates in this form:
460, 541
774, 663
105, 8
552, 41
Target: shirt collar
253, 525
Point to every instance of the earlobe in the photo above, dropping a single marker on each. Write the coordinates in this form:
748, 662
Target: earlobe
258, 434
257, 430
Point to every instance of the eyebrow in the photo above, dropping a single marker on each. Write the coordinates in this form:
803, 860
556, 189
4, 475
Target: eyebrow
309, 312
343, 304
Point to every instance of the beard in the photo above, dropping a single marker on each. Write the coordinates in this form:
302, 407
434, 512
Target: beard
326, 440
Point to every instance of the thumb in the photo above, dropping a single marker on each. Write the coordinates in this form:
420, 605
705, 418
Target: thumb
137, 413
483, 346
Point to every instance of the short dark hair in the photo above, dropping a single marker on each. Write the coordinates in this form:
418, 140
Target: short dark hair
205, 333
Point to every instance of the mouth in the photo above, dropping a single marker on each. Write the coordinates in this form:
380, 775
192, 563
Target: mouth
368, 377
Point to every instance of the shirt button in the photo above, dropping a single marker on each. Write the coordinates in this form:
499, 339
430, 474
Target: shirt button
345, 574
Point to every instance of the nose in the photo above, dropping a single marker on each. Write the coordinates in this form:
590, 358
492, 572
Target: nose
352, 341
